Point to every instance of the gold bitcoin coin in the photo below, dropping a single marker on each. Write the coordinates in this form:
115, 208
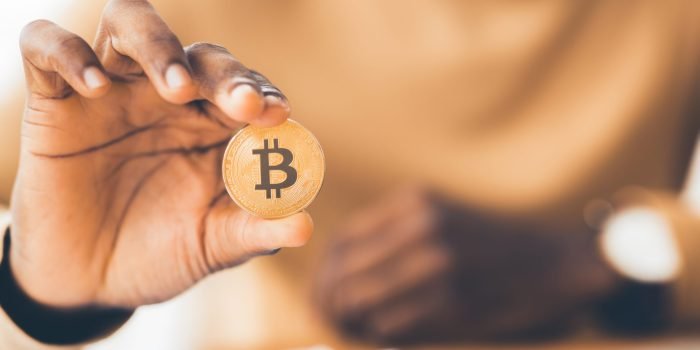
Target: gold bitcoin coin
273, 172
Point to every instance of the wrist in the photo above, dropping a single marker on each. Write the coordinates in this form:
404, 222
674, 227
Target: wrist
638, 244
53, 325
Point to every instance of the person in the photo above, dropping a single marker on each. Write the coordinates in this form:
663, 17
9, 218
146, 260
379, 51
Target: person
516, 128
128, 199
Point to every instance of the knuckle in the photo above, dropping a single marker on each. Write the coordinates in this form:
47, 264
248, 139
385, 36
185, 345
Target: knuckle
114, 9
156, 48
31, 30
35, 25
111, 7
157, 43
108, 11
162, 38
152, 50
69, 43
136, 29
51, 47
69, 50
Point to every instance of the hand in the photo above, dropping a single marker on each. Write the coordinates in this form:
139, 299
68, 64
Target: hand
414, 269
119, 200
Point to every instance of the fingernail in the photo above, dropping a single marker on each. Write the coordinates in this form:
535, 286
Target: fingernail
176, 76
94, 78
242, 92
274, 100
247, 98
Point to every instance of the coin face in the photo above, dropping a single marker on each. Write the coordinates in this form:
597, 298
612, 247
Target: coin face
273, 172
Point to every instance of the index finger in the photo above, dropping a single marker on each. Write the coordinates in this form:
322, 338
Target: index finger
133, 30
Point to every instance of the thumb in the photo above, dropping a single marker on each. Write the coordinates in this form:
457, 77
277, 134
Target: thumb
233, 235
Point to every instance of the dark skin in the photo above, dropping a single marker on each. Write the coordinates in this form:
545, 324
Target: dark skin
134, 210
413, 268
119, 200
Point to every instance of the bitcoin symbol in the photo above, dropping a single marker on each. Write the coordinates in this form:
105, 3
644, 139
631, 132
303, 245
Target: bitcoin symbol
265, 168
301, 162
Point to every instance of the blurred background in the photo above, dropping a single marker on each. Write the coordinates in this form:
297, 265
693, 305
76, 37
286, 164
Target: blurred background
521, 119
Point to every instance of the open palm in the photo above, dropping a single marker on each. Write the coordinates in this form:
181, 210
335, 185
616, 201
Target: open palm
119, 199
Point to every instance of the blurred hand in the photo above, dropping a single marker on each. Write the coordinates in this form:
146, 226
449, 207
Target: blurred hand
412, 269
119, 199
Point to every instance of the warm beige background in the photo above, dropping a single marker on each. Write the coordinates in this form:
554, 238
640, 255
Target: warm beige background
529, 107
